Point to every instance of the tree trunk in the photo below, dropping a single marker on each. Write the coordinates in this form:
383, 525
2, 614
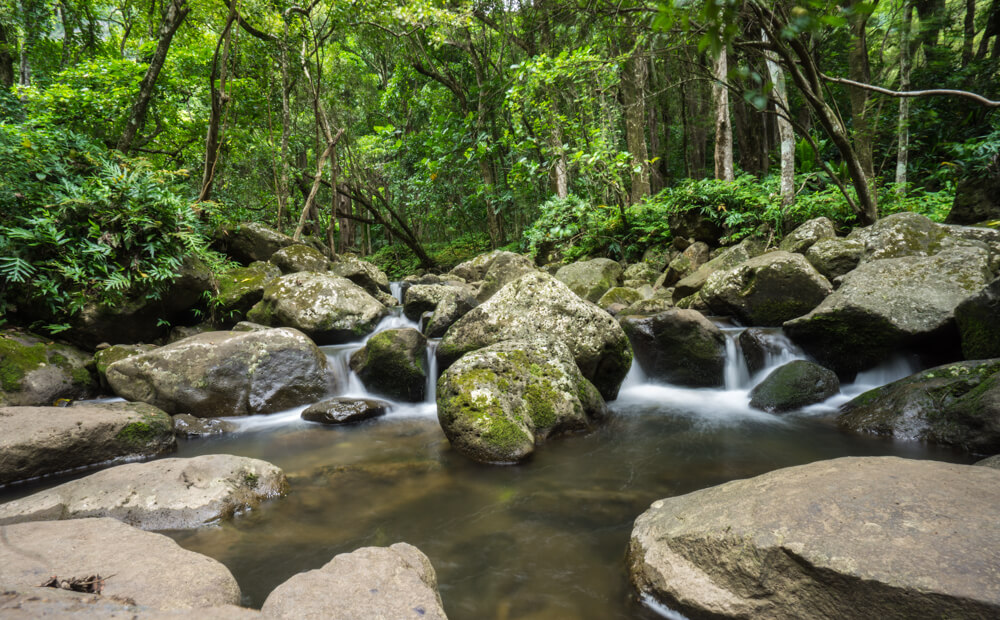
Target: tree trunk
560, 168
6, 59
176, 12
633, 84
969, 30
219, 99
903, 139
723, 127
307, 208
785, 132
859, 70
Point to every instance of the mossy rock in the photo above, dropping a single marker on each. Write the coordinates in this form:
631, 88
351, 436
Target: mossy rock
806, 235
299, 257
978, 320
681, 347
619, 295
794, 385
590, 279
364, 274
835, 257
727, 259
393, 363
35, 371
110, 355
241, 288
496, 403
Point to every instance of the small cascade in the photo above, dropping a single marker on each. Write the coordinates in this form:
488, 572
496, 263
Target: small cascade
395, 320
396, 290
430, 392
348, 384
894, 369
736, 374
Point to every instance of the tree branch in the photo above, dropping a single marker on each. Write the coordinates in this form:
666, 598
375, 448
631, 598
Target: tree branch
915, 93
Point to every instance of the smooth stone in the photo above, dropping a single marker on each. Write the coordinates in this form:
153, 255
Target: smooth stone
345, 410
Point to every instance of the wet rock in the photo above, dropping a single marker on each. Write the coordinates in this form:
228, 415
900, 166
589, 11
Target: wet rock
37, 441
805, 236
148, 569
219, 374
502, 270
836, 256
38, 371
345, 410
978, 320
794, 385
187, 425
167, 494
619, 295
767, 290
30, 603
909, 539
590, 278
327, 308
993, 461
105, 357
373, 582
956, 404
393, 363
364, 274
686, 263
681, 347
299, 257
758, 348
727, 259
496, 403
251, 241
539, 306
889, 304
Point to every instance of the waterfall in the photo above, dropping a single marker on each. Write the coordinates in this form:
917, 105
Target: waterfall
396, 290
430, 393
735, 374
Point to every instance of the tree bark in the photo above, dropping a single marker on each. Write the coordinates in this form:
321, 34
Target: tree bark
860, 71
785, 132
6, 59
969, 31
903, 138
723, 127
634, 80
176, 12
219, 99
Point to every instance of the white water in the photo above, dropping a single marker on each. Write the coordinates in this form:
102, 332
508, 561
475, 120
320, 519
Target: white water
396, 290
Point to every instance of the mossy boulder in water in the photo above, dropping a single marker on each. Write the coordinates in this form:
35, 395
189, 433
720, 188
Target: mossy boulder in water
241, 288
806, 235
956, 404
836, 256
590, 278
496, 403
393, 363
727, 259
342, 410
328, 308
888, 304
226, 374
767, 290
978, 319
681, 347
251, 241
299, 257
794, 385
38, 371
364, 274
537, 306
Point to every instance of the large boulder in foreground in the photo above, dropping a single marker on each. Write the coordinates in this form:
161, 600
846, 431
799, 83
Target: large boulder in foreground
887, 304
167, 494
396, 582
956, 404
393, 363
327, 308
794, 385
149, 569
35, 371
218, 374
496, 403
38, 441
767, 290
681, 347
978, 320
539, 306
847, 538
590, 278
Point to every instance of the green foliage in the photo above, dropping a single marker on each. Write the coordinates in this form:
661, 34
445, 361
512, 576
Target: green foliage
572, 228
398, 261
81, 225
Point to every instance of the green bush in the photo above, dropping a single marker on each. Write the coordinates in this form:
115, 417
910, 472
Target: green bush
79, 224
398, 261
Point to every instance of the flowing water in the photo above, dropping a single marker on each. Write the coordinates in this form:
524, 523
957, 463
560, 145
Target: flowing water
545, 539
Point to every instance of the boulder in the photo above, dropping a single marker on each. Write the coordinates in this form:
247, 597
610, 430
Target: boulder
251, 241
242, 287
364, 274
396, 582
955, 404
36, 371
38, 441
496, 403
29, 603
327, 308
759, 348
767, 290
421, 298
978, 320
249, 326
186, 425
105, 357
345, 410
539, 306
686, 263
727, 259
692, 224
847, 538
590, 278
168, 494
805, 236
906, 234
219, 374
836, 256
992, 461
180, 332
794, 385
681, 347
648, 307
449, 309
640, 273
977, 200
299, 257
888, 304
393, 363
502, 270
658, 257
474, 269
619, 295
142, 567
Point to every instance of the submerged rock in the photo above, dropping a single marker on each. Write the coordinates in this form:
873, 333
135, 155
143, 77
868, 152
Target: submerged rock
394, 582
220, 374
758, 348
37, 441
147, 569
345, 410
299, 257
393, 363
327, 308
189, 426
590, 278
35, 371
978, 320
846, 538
956, 404
496, 403
681, 347
539, 306
794, 385
167, 494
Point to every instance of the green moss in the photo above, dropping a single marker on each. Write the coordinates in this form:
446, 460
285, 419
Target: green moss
137, 434
540, 397
17, 360
251, 480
